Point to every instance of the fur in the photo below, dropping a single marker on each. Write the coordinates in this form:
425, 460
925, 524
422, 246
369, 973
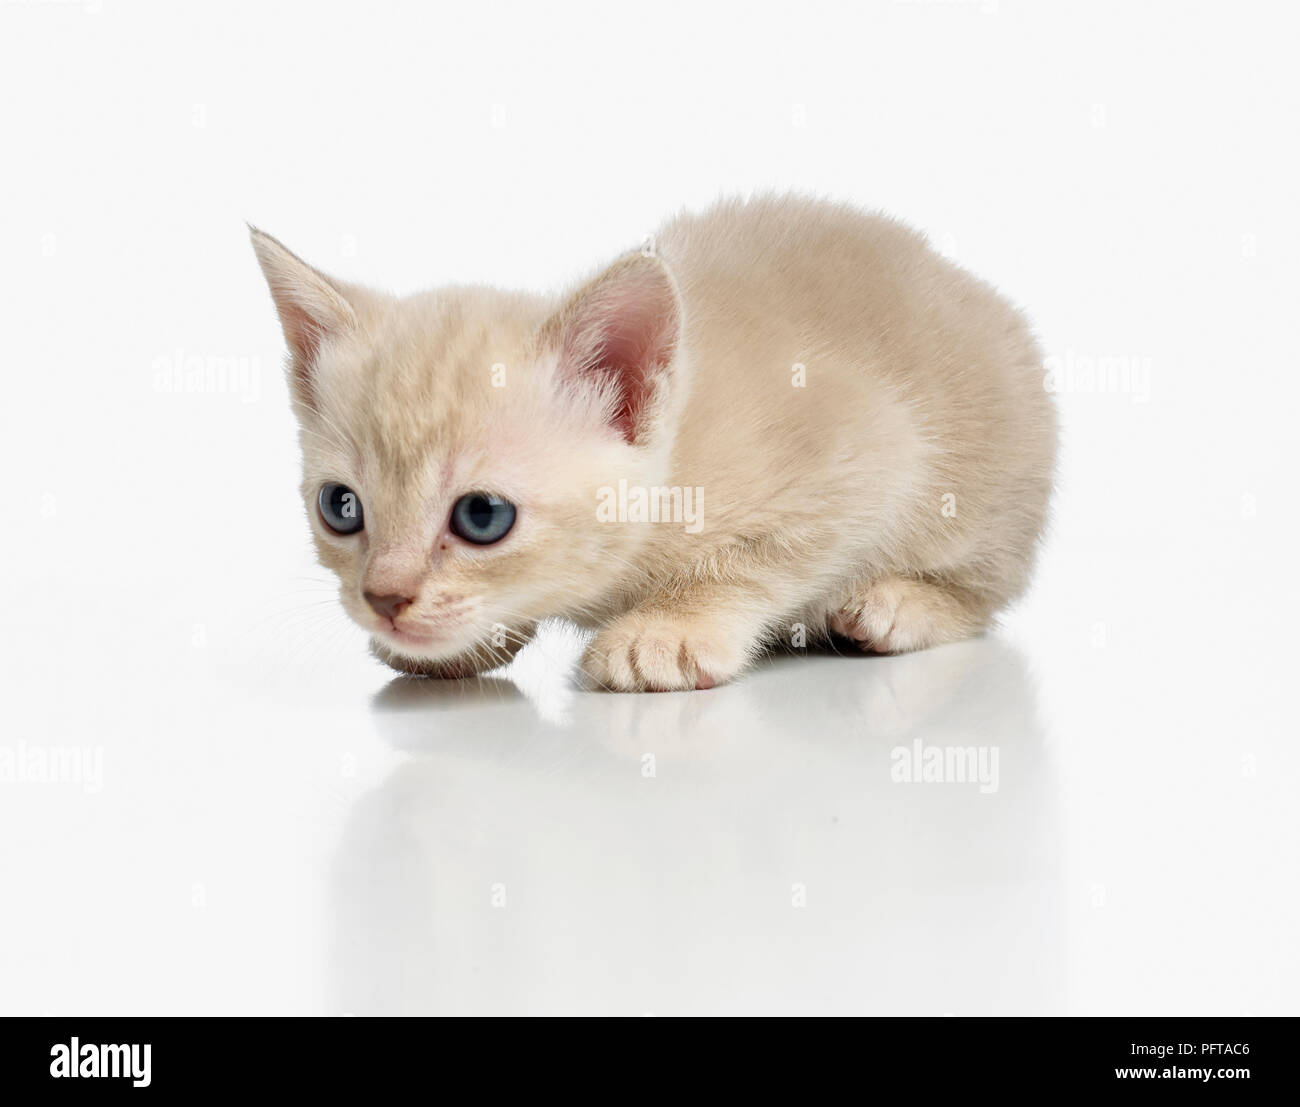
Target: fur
867, 425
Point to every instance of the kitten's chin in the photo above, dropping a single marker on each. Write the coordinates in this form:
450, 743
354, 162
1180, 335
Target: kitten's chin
420, 647
445, 658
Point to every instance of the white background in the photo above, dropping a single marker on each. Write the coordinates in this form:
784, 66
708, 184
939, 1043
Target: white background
263, 821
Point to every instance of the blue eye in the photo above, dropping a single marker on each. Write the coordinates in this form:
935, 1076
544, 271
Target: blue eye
482, 518
340, 508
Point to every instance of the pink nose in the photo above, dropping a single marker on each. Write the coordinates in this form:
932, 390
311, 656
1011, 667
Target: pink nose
388, 606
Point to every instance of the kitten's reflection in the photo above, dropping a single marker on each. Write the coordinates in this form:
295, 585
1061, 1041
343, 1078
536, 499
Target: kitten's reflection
791, 843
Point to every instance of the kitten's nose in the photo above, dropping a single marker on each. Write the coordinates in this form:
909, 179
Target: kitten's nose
389, 606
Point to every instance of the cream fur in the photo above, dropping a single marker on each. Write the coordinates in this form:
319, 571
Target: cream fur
896, 498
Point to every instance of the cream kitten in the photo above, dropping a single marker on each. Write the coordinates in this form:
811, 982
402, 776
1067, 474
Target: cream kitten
782, 419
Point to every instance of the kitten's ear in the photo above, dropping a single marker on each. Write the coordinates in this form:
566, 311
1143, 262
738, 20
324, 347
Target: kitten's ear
622, 328
312, 309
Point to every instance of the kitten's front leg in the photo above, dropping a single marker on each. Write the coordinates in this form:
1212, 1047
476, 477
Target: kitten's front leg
675, 643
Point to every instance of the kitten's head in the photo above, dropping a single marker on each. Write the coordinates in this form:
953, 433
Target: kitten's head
454, 442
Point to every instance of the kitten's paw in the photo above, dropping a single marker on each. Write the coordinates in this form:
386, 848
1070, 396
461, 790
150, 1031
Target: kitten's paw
653, 652
896, 615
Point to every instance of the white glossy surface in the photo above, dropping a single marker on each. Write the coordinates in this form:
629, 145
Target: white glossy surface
265, 821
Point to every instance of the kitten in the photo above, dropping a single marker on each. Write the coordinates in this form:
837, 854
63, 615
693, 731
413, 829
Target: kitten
782, 420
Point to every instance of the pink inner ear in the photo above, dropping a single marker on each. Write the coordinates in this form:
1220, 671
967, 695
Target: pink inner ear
627, 331
310, 307
303, 334
632, 358
301, 331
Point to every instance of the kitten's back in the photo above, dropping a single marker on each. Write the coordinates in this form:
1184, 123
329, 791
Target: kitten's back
920, 382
